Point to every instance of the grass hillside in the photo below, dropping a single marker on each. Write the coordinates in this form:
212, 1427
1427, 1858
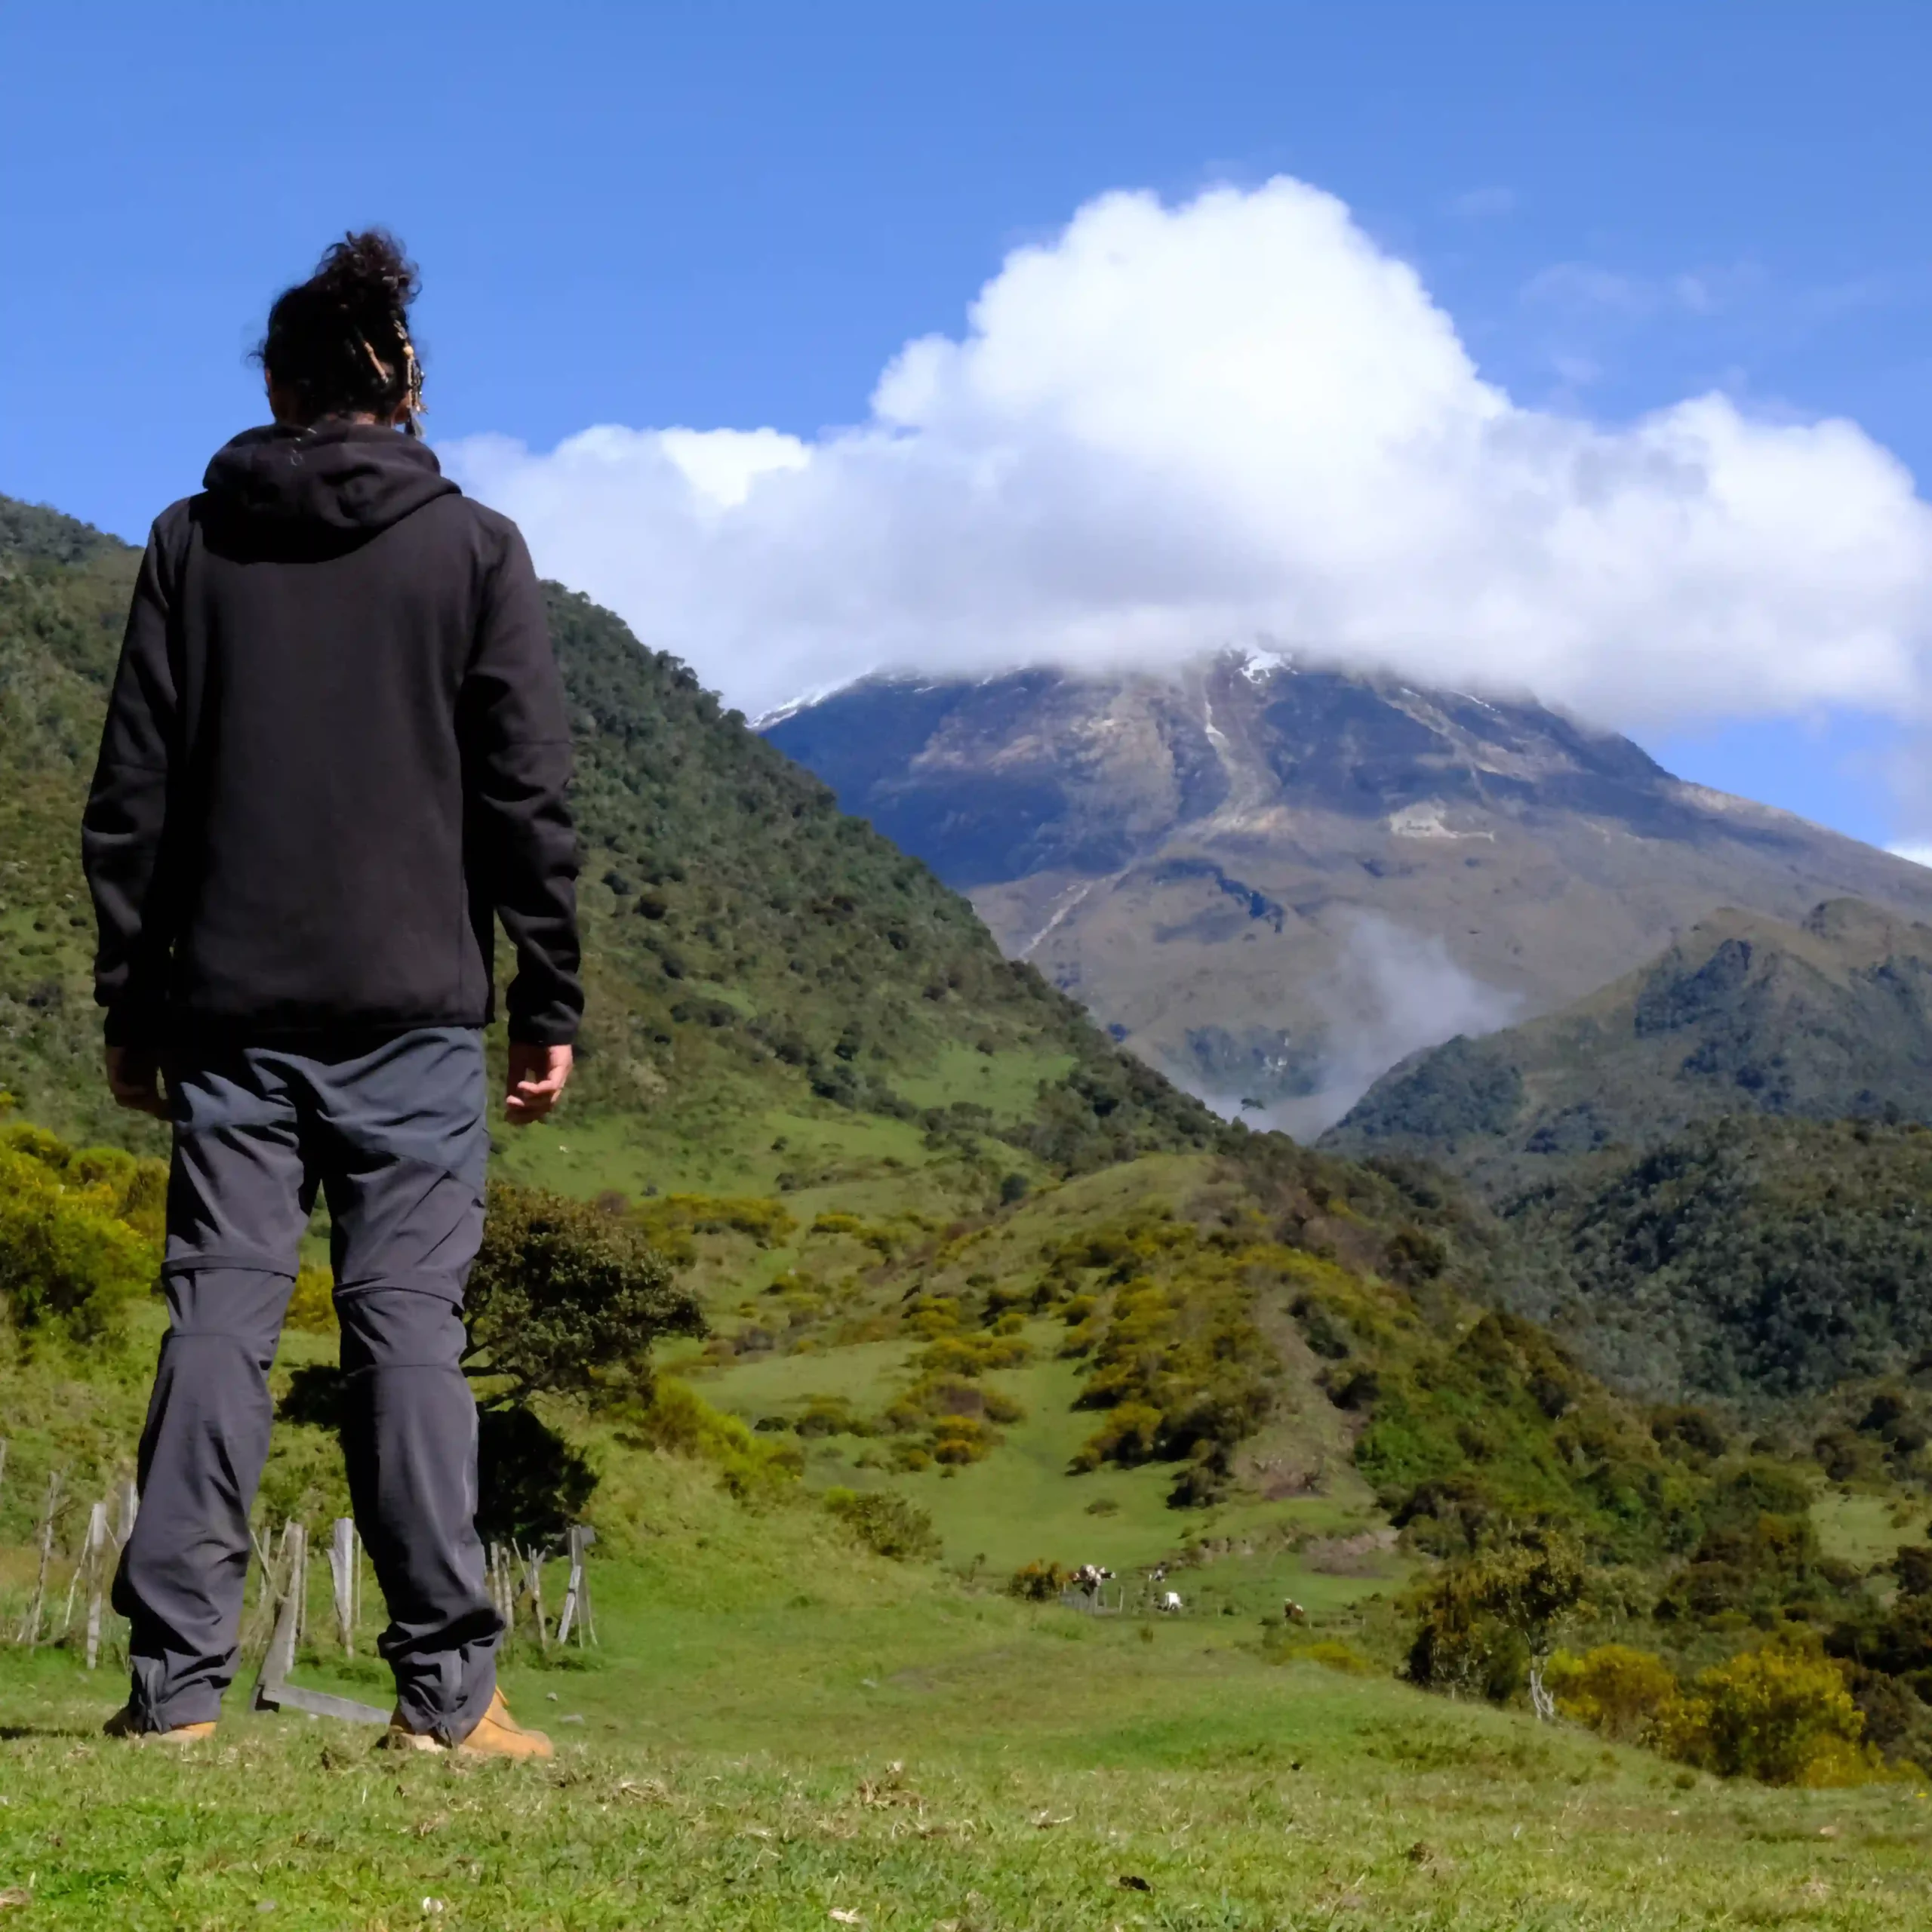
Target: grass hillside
1273, 1351
902, 1764
1827, 1020
778, 1732
781, 1727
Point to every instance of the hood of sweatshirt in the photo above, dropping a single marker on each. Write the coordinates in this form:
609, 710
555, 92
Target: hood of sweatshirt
347, 477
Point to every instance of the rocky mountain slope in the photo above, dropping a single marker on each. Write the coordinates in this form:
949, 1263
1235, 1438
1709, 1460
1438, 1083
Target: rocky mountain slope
1824, 1020
1273, 882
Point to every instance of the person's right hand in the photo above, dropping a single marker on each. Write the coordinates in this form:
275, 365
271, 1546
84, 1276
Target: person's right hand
133, 1073
538, 1077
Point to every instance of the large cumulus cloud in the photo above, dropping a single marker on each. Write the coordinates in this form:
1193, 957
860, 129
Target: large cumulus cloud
1173, 429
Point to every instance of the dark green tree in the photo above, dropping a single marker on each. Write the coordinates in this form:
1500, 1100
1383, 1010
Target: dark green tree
566, 1298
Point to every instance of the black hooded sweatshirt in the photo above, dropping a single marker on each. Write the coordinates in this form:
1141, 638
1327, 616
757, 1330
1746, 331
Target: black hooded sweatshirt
336, 747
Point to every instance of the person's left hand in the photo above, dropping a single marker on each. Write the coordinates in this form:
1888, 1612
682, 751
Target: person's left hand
134, 1075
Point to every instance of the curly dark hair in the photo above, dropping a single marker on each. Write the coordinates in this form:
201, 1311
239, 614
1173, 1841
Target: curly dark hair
339, 342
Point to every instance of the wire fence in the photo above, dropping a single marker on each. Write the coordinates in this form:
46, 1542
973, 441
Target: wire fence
306, 1602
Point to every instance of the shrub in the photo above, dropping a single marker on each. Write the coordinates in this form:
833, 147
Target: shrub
874, 1235
1331, 1652
69, 1263
133, 1190
677, 1422
1131, 1434
1913, 1566
532, 1485
1782, 1715
768, 1223
957, 1440
930, 1315
888, 1525
973, 1355
1623, 1692
1038, 1582
830, 1415
956, 1417
311, 1306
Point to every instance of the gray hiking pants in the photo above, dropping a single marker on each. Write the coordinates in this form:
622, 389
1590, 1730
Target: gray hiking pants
393, 1131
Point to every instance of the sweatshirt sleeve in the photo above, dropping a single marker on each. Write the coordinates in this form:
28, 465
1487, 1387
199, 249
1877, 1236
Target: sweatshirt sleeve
125, 825
516, 745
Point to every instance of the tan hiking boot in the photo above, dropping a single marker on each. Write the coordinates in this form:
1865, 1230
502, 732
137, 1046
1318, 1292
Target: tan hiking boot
122, 1725
497, 1735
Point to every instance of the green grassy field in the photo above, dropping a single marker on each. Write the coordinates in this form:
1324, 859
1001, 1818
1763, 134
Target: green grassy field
1867, 1529
760, 1748
1022, 1502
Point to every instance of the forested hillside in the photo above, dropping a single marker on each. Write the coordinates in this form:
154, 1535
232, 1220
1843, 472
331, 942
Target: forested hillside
1714, 1172
63, 597
749, 947
1757, 1259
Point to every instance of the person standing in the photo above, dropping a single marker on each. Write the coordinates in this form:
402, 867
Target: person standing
336, 752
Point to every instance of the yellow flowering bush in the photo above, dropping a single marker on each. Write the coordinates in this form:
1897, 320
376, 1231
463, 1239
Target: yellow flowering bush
72, 1257
1615, 1688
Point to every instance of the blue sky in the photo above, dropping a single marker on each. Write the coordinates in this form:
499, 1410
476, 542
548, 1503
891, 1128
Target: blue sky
737, 216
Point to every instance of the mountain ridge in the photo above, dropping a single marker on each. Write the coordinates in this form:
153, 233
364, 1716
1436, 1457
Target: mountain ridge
1828, 1019
1275, 882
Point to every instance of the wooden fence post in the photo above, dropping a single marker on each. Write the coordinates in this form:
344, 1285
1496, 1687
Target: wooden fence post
30, 1629
533, 1583
299, 1579
341, 1575
502, 1588
86, 1564
577, 1596
97, 1559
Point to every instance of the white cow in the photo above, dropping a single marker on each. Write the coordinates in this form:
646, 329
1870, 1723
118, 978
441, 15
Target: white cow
1169, 1602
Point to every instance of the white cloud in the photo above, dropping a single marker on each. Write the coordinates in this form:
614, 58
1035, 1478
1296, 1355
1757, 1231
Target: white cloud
1174, 428
1919, 855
